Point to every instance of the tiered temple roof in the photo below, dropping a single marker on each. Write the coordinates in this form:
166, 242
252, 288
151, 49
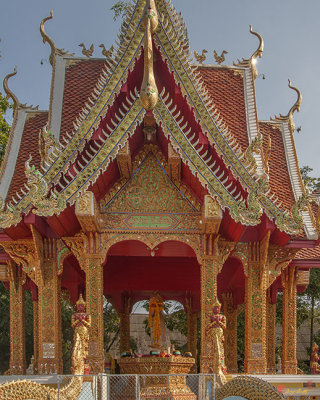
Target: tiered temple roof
206, 116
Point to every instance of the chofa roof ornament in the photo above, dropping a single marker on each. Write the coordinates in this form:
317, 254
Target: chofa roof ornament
9, 93
47, 39
296, 107
252, 61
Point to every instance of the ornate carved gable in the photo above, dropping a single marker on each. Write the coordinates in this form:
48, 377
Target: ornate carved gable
150, 200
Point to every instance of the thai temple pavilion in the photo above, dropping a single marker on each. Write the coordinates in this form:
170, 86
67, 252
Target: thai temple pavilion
151, 172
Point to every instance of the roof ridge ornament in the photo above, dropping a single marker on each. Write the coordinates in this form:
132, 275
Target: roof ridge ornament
47, 39
9, 93
296, 107
149, 92
252, 61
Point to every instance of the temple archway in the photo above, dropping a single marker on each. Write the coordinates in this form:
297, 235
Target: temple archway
133, 271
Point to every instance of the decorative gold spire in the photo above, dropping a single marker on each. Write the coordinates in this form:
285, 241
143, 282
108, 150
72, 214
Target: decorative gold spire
257, 54
9, 92
47, 39
149, 90
295, 107
259, 51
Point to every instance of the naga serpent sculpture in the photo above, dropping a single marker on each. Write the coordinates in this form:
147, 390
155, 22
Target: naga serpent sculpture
249, 388
24, 389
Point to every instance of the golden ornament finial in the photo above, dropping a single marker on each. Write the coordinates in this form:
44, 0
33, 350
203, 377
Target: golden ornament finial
9, 92
259, 51
46, 38
295, 107
149, 91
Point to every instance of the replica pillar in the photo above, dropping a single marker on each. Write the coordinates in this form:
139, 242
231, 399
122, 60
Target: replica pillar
94, 302
192, 318
49, 315
17, 320
125, 326
271, 336
230, 336
35, 336
212, 264
289, 321
86, 248
255, 308
37, 257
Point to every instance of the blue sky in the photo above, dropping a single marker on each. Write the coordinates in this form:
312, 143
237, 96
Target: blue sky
290, 29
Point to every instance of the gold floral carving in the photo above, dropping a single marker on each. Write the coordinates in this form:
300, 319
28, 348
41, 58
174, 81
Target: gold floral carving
230, 334
215, 252
17, 318
289, 313
278, 259
255, 307
23, 252
241, 252
87, 212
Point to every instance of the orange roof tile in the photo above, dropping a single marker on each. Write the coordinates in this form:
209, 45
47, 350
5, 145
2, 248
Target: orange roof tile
29, 145
308, 254
279, 175
226, 88
80, 80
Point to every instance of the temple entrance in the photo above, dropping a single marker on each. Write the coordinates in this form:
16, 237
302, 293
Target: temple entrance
134, 272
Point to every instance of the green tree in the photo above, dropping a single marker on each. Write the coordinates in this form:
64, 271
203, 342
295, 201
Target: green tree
120, 8
5, 106
311, 183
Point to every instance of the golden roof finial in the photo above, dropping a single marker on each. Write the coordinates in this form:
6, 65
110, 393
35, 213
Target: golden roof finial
149, 90
9, 92
259, 51
253, 59
46, 38
295, 107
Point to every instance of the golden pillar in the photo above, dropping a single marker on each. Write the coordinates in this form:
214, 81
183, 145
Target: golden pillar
289, 321
255, 308
35, 336
124, 331
94, 304
217, 251
271, 336
230, 335
192, 318
17, 320
49, 318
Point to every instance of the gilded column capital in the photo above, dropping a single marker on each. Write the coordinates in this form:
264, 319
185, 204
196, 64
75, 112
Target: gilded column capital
278, 260
86, 247
23, 253
87, 212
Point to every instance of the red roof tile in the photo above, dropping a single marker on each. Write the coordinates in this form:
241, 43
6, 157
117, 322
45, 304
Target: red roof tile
80, 80
29, 145
279, 175
225, 86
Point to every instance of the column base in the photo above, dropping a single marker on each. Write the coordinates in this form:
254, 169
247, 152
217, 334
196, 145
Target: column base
256, 366
96, 365
289, 367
